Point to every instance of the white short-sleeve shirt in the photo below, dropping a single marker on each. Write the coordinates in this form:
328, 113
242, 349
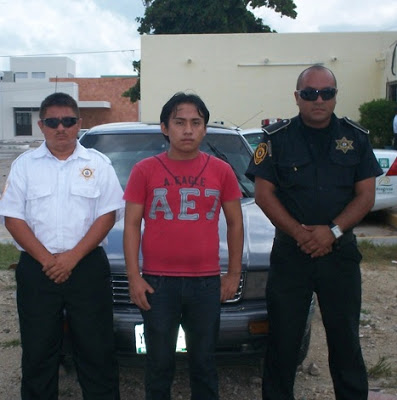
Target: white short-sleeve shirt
60, 200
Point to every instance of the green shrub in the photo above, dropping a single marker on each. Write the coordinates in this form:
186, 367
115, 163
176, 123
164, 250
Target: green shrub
377, 116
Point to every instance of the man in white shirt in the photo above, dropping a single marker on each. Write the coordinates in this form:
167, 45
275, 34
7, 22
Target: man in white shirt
59, 203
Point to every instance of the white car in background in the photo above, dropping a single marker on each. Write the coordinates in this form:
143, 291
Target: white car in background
386, 184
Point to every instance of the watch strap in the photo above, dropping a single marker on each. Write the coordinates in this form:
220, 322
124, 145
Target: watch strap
335, 229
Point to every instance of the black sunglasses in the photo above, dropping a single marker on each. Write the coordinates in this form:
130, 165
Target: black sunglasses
53, 123
312, 94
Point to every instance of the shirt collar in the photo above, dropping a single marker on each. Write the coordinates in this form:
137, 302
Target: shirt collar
79, 152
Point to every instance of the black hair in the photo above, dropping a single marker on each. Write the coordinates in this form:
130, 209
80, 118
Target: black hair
182, 98
317, 67
59, 99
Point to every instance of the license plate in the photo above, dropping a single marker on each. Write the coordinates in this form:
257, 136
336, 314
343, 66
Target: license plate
140, 344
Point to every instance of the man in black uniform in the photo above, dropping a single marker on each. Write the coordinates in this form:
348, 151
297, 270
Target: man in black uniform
315, 180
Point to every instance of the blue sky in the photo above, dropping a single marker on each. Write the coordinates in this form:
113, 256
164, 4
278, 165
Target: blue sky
106, 30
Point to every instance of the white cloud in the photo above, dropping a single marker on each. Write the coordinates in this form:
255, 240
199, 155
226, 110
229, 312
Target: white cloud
335, 16
43, 27
29, 27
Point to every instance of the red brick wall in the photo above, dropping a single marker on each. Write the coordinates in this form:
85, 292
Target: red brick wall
105, 89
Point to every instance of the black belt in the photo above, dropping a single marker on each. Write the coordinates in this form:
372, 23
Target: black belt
346, 238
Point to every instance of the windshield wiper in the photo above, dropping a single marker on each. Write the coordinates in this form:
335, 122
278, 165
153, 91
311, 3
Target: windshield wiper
223, 157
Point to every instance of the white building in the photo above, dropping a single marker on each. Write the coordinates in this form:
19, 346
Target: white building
27, 85
23, 88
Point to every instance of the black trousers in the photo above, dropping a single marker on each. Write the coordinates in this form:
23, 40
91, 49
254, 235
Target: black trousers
336, 279
87, 299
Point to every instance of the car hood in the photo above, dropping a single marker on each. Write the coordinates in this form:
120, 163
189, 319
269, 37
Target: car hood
258, 239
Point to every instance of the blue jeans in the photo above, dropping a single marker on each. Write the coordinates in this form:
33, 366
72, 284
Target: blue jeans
195, 304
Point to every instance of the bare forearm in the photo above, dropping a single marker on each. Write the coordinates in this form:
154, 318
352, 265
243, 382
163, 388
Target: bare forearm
235, 242
132, 241
354, 212
277, 213
25, 237
95, 235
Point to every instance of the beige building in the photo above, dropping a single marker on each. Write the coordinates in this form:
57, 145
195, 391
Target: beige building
244, 78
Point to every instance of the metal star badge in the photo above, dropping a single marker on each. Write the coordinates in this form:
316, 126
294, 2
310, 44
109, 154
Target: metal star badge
344, 144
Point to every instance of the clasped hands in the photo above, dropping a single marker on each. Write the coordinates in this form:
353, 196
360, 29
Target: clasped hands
58, 267
315, 240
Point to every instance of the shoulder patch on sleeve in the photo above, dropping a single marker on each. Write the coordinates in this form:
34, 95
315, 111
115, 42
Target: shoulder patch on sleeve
355, 125
103, 156
277, 126
262, 151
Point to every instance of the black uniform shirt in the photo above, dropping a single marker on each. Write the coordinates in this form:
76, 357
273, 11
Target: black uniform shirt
314, 170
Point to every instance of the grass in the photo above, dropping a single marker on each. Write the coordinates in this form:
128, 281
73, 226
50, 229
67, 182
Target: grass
381, 369
8, 255
11, 343
377, 253
371, 253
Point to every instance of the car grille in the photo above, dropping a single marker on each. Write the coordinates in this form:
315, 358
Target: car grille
121, 293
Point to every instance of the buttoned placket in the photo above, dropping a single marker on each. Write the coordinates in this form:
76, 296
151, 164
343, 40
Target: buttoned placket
59, 201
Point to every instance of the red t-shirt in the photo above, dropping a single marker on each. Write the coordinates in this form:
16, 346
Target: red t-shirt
182, 200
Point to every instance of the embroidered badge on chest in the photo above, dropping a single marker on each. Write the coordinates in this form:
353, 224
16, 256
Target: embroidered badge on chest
344, 144
87, 173
260, 153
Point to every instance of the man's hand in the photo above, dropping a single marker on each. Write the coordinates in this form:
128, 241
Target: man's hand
229, 285
138, 288
320, 241
61, 270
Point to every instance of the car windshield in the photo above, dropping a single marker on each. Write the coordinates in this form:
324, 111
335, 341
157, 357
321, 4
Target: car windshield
125, 150
254, 139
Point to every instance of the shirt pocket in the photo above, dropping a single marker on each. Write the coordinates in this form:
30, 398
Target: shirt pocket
343, 167
86, 192
38, 202
294, 172
85, 199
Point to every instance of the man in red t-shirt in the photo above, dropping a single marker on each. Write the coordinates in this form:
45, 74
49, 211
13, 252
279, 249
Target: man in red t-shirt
179, 194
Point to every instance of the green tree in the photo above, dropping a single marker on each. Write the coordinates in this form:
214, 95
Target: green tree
377, 116
208, 16
205, 16
134, 92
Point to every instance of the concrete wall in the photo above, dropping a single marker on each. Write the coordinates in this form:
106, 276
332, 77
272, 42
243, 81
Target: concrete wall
244, 78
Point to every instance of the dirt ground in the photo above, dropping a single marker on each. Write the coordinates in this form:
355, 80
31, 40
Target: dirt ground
239, 381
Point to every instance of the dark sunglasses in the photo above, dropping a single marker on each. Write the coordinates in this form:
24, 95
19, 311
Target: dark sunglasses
53, 123
312, 94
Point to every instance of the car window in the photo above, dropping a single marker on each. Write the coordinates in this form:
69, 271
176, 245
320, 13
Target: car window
232, 149
125, 150
254, 139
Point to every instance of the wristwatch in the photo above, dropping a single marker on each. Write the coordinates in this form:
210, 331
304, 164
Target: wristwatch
335, 229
